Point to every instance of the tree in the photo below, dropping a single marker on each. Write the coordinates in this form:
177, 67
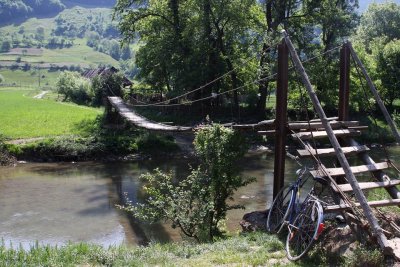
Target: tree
190, 43
2, 79
39, 34
102, 86
126, 52
380, 21
73, 87
198, 203
389, 72
6, 46
376, 45
115, 51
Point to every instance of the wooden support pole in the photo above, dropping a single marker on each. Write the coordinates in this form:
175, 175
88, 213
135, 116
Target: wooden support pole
377, 230
281, 118
344, 83
378, 99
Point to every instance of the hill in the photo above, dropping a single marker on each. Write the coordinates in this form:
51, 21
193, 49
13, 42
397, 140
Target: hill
75, 39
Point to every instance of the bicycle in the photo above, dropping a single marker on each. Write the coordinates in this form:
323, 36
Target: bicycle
303, 220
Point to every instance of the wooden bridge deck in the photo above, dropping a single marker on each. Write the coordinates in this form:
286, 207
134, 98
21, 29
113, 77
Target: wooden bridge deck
130, 115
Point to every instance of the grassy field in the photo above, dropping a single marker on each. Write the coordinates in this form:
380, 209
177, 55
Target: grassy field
30, 78
26, 117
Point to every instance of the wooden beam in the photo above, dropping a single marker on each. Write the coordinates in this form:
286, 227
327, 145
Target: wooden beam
356, 169
282, 82
326, 152
369, 185
374, 204
324, 134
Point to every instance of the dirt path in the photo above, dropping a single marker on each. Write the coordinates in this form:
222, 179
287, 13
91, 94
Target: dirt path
41, 95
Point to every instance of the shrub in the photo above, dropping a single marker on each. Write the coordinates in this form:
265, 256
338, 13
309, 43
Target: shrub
73, 87
198, 203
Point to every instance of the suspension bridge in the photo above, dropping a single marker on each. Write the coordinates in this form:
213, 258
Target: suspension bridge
341, 133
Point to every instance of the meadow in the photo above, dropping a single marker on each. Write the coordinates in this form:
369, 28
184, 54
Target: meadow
30, 79
26, 117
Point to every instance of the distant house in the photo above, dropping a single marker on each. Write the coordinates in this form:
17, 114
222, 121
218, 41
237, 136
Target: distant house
104, 71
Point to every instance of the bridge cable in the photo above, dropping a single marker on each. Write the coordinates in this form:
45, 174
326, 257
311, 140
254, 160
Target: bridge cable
232, 90
205, 85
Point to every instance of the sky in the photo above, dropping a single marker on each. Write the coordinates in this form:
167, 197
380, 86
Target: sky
364, 3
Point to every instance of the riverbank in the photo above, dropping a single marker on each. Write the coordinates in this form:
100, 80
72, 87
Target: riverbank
252, 249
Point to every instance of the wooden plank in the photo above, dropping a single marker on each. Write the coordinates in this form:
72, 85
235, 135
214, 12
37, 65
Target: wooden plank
318, 125
326, 152
356, 169
368, 185
373, 204
324, 134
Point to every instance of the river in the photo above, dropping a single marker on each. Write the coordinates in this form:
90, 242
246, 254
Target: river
57, 203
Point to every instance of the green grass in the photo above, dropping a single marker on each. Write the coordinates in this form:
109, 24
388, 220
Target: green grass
26, 117
252, 249
249, 250
30, 78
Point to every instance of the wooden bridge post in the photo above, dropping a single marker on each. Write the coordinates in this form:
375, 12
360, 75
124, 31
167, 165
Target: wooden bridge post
281, 117
344, 83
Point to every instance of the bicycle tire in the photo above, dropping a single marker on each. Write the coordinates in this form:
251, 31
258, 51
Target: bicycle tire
279, 209
304, 230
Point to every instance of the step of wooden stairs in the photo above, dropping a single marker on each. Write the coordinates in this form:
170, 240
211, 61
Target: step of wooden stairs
374, 204
368, 185
323, 134
326, 152
355, 169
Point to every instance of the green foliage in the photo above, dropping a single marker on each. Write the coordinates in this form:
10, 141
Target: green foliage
74, 87
105, 85
379, 21
189, 43
389, 71
197, 204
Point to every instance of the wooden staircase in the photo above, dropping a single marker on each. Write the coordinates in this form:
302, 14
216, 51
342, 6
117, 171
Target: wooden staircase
340, 134
351, 148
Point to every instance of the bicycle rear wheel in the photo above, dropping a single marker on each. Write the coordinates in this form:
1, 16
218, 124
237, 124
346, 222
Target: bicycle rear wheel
279, 209
304, 230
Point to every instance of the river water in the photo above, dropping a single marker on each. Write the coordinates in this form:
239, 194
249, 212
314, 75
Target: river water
57, 203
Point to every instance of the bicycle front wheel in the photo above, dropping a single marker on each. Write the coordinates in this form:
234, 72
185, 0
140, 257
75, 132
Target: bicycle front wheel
304, 230
279, 209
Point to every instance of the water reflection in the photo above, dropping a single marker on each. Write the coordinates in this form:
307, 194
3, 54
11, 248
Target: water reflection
60, 202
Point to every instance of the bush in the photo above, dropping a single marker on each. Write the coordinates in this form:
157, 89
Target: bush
198, 203
74, 87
